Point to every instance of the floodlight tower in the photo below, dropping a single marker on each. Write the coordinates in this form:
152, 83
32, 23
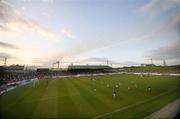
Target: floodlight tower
5, 60
58, 64
151, 61
107, 62
53, 65
164, 62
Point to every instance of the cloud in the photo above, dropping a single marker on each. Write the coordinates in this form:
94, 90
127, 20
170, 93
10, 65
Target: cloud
168, 26
102, 60
169, 10
126, 63
156, 7
38, 60
95, 59
68, 33
12, 20
48, 1
169, 52
27, 0
5, 55
7, 45
3, 29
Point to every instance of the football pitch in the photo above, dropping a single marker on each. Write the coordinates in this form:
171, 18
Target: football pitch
91, 97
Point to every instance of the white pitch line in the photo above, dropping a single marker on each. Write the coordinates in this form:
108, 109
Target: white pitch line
135, 104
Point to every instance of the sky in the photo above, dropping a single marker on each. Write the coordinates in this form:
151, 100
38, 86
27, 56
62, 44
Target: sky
124, 32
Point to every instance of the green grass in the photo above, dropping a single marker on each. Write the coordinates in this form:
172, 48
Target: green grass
155, 69
75, 97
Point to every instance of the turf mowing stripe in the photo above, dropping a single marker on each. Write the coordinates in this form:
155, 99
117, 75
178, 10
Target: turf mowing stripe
97, 104
47, 106
113, 103
130, 106
101, 93
16, 98
16, 109
64, 103
24, 93
85, 109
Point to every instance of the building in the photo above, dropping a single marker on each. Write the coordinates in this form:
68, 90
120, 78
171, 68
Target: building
43, 71
89, 68
15, 72
144, 65
15, 67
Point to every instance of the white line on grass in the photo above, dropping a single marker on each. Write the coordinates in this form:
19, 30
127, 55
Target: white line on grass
129, 106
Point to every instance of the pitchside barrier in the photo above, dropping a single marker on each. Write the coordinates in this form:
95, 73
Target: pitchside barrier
19, 83
99, 74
